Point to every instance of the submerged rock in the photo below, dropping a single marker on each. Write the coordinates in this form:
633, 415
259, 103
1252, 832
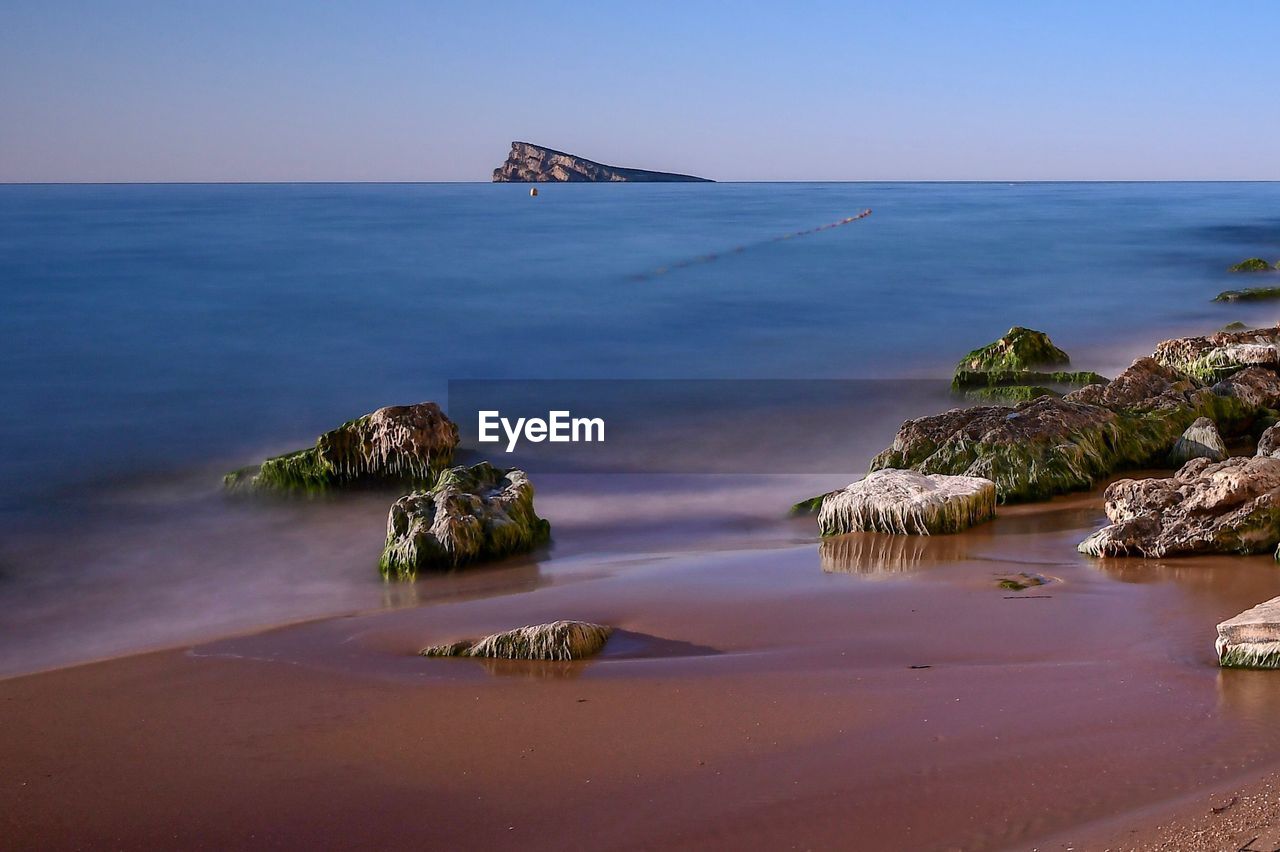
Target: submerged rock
471, 514
908, 503
559, 640
1252, 264
1217, 355
1231, 506
1021, 581
1251, 640
399, 443
1200, 441
1251, 294
1019, 349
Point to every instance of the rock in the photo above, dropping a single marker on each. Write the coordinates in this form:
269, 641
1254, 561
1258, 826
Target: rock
908, 503
559, 640
1200, 441
1217, 355
529, 163
1010, 393
1020, 349
993, 378
1021, 581
1251, 640
1252, 264
1269, 442
1031, 451
1257, 387
1252, 294
1050, 446
1231, 506
399, 443
1234, 325
471, 514
1145, 384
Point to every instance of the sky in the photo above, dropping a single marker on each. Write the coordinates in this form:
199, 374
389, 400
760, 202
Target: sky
280, 90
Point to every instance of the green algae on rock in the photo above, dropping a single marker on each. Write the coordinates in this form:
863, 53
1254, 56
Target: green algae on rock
1050, 446
1019, 349
1252, 264
1031, 451
399, 443
1251, 294
1010, 393
992, 378
905, 502
559, 640
471, 514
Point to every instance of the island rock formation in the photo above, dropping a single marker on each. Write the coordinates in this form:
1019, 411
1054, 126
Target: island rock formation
529, 163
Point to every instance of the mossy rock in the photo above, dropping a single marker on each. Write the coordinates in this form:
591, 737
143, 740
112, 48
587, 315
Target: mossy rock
472, 514
1234, 326
1019, 349
1010, 393
1252, 264
397, 444
1050, 446
1251, 294
992, 378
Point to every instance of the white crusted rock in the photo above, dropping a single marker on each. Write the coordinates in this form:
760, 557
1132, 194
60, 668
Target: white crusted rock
908, 503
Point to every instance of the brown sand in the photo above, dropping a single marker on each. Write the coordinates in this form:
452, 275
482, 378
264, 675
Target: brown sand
779, 706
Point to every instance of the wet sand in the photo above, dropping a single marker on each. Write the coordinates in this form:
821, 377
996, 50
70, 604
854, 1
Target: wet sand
868, 692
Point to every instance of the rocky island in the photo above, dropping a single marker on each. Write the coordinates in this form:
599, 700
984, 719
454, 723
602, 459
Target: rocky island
529, 163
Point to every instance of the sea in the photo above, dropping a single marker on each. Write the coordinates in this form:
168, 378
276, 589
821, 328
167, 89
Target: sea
155, 336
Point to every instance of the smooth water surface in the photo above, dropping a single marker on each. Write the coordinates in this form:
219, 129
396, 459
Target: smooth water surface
152, 336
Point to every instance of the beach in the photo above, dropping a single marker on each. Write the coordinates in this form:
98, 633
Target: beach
780, 696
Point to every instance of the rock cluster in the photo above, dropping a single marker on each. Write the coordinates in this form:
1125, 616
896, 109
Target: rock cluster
1046, 446
1231, 506
465, 515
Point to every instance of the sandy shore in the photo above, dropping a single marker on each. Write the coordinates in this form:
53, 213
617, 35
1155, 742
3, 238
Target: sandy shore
871, 693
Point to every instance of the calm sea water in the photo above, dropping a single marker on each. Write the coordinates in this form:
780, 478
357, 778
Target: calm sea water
153, 336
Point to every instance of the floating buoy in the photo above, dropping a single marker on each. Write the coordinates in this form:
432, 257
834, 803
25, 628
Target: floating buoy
533, 192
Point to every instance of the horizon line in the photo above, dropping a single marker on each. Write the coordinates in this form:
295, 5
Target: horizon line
1010, 181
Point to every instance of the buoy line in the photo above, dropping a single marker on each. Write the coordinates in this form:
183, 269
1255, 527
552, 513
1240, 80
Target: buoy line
707, 258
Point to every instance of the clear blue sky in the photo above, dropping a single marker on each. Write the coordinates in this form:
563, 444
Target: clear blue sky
227, 90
